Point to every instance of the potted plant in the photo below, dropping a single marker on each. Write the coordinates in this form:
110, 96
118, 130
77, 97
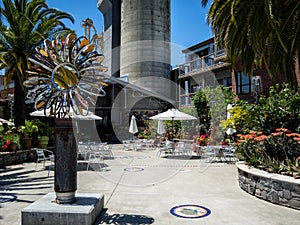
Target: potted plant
27, 130
45, 132
11, 142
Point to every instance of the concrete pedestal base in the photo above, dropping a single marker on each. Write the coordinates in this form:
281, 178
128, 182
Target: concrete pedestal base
45, 211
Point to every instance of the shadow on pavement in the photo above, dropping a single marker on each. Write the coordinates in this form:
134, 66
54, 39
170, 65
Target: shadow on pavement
10, 169
123, 219
17, 182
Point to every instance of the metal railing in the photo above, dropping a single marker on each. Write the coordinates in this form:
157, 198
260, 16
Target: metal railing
202, 64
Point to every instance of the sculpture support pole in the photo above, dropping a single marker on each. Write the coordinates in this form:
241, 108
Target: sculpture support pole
65, 180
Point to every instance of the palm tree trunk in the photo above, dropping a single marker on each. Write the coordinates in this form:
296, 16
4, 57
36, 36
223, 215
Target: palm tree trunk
19, 103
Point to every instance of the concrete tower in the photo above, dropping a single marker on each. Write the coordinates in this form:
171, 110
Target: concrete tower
138, 32
145, 40
111, 10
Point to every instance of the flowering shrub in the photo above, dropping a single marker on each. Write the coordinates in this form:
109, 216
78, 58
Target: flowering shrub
202, 139
9, 140
6, 145
277, 152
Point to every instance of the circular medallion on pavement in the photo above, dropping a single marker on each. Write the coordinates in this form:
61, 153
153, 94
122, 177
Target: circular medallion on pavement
7, 198
190, 211
133, 169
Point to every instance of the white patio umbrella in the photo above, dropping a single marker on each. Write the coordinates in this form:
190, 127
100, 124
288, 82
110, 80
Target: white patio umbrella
161, 127
133, 126
173, 114
7, 122
87, 115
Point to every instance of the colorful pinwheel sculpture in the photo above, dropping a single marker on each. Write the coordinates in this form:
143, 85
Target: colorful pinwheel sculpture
66, 76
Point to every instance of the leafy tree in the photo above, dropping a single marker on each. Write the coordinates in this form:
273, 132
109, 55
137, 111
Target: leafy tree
211, 104
24, 25
258, 33
280, 109
201, 104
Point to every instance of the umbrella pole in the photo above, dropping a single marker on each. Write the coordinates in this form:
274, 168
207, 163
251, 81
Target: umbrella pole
172, 128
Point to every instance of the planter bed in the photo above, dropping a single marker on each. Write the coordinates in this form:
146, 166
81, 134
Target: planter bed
275, 188
18, 157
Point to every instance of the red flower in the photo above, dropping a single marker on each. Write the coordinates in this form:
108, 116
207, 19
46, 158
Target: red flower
7, 142
5, 147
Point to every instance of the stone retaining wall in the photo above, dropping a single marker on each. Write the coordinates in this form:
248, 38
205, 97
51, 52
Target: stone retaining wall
18, 157
275, 188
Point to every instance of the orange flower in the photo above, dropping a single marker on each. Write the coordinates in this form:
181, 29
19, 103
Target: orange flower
239, 135
277, 134
261, 137
296, 138
292, 135
283, 130
259, 133
249, 136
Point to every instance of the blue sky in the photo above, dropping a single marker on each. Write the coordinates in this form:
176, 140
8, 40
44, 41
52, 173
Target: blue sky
188, 21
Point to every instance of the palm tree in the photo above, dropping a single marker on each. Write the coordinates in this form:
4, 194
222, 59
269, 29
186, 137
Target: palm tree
24, 25
258, 33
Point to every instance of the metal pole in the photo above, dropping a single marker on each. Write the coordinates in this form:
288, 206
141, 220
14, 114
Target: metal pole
65, 180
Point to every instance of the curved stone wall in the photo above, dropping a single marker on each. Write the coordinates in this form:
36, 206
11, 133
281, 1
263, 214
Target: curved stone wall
275, 188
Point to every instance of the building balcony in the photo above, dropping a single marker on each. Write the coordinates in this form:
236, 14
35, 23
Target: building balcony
206, 63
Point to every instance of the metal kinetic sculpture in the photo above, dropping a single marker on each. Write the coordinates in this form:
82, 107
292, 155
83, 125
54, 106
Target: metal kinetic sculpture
63, 82
65, 76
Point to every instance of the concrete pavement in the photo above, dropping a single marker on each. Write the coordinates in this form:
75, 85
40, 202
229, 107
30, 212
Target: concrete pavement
141, 188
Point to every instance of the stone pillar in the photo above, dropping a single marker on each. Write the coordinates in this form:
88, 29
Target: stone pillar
65, 180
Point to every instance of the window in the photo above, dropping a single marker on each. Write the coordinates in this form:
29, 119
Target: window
228, 81
243, 83
195, 88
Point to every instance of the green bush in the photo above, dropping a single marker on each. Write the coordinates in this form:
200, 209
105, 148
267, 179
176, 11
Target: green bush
269, 131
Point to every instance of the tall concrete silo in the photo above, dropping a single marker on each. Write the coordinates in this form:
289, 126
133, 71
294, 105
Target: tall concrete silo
145, 42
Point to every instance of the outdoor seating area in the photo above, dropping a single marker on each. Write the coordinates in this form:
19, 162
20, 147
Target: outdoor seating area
212, 153
85, 149
43, 155
93, 154
132, 176
138, 144
217, 153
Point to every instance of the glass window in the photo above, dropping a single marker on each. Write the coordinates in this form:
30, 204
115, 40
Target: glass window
195, 88
229, 82
243, 83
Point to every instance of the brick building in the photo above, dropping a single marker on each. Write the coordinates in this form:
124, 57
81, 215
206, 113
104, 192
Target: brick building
205, 65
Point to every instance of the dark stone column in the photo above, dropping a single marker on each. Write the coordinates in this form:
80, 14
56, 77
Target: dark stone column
65, 183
